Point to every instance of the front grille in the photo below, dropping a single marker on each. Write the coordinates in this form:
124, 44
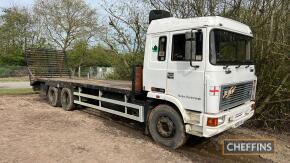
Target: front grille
235, 94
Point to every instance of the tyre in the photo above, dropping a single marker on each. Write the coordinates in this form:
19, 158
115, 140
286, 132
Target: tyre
166, 126
67, 99
43, 91
53, 96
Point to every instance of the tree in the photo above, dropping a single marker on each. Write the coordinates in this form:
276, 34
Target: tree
65, 21
16, 33
78, 56
126, 26
82, 55
124, 33
188, 8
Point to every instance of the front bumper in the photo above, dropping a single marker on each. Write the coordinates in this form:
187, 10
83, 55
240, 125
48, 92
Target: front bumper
232, 119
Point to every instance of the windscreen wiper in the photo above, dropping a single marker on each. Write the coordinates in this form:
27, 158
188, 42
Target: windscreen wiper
248, 64
225, 67
227, 70
238, 66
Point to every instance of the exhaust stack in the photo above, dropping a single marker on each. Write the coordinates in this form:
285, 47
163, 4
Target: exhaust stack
158, 14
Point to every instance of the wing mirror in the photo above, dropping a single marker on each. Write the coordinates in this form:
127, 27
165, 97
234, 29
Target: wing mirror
190, 46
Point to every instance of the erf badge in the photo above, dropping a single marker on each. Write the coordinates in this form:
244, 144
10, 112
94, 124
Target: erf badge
229, 92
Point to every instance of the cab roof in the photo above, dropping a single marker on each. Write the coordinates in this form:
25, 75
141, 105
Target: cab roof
176, 24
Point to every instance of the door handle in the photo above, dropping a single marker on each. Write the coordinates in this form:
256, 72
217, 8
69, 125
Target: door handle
196, 66
170, 75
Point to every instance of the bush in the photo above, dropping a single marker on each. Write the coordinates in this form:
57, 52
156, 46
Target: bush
122, 65
12, 71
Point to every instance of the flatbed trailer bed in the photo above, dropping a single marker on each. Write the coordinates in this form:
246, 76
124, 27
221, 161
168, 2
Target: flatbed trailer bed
48, 73
115, 97
117, 86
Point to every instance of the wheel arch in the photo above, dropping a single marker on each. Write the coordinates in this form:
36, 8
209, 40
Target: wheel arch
169, 100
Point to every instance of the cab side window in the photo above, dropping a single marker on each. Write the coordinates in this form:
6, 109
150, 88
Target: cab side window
179, 45
162, 48
178, 48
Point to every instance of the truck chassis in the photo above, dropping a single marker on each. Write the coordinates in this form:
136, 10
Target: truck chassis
90, 93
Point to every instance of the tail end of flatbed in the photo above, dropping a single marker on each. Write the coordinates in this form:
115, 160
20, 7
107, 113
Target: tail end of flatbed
46, 63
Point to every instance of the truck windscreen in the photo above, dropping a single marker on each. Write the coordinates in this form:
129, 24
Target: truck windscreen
228, 48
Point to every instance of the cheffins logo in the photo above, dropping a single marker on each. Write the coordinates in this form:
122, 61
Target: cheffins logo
248, 146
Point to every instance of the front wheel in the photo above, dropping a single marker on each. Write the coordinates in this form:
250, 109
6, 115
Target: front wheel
166, 126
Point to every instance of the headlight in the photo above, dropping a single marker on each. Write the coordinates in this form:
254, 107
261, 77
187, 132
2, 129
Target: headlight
221, 120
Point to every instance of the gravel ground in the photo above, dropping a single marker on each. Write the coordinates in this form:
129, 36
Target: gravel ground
33, 131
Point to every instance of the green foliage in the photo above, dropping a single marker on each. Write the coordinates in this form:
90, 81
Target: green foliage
4, 71
84, 56
17, 32
12, 56
122, 65
9, 71
78, 54
19, 91
270, 49
101, 57
14, 79
273, 92
13, 33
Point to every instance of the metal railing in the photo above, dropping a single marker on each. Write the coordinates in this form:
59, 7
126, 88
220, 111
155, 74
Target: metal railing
46, 63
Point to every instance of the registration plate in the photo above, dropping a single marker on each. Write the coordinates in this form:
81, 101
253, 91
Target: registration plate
238, 124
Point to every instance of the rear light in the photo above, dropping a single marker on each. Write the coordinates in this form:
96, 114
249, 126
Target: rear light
212, 122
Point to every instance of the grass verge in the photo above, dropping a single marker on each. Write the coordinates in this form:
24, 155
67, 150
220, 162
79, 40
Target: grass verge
18, 91
14, 79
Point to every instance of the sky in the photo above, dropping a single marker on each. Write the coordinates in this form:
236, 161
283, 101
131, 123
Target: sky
10, 3
29, 3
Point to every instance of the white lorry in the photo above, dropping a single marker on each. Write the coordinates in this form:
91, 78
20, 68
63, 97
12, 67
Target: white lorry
197, 79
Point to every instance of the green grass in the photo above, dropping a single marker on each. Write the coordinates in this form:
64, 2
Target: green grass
18, 91
14, 79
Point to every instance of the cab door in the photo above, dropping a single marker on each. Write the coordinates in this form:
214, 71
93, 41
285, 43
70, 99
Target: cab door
185, 81
155, 63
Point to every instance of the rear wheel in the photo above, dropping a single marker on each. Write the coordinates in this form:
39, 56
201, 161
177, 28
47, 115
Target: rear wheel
53, 96
42, 91
67, 99
166, 126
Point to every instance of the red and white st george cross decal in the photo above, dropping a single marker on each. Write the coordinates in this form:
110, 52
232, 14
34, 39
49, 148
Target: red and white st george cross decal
214, 91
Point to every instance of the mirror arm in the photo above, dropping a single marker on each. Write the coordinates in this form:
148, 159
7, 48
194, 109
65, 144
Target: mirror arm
191, 51
192, 39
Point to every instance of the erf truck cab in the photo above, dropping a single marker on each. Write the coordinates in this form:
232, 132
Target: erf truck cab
197, 79
203, 67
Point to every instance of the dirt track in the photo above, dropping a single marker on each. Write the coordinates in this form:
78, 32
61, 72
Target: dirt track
33, 131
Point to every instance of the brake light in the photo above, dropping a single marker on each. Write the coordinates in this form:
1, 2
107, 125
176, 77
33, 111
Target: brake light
212, 122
